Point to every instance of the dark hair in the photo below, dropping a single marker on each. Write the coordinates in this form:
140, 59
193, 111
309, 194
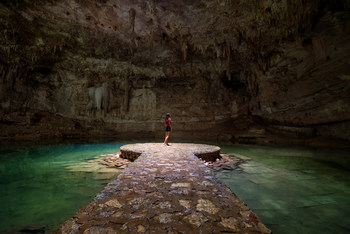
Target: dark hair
167, 116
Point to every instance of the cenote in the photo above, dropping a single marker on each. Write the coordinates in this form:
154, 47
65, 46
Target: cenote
231, 71
290, 189
43, 185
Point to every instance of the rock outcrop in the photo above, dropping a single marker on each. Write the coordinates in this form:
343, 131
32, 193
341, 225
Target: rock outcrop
227, 70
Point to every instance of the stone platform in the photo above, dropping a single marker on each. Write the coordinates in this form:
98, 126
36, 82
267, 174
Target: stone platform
167, 189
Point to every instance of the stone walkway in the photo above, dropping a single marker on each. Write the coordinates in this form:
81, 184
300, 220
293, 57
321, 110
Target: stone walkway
167, 189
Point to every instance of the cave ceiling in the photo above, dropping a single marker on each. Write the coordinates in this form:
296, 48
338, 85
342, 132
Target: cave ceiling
278, 63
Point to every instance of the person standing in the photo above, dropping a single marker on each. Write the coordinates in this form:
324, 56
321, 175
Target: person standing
167, 128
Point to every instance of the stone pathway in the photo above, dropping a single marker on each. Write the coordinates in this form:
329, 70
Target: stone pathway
167, 189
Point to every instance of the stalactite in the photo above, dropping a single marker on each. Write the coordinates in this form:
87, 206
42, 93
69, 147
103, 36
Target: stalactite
61, 44
33, 59
200, 48
54, 50
152, 6
217, 49
2, 74
223, 48
130, 48
151, 41
137, 41
11, 78
151, 28
8, 50
184, 48
132, 15
205, 48
228, 70
105, 98
164, 39
126, 93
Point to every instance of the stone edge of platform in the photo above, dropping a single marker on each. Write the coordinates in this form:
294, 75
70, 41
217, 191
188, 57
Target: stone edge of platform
245, 212
208, 156
129, 154
207, 152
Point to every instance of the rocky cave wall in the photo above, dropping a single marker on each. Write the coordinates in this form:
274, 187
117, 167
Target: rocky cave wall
227, 70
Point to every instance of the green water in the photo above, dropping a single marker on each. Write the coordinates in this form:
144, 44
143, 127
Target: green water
41, 187
291, 189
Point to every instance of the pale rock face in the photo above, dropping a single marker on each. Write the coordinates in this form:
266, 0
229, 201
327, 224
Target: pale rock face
143, 105
230, 70
99, 98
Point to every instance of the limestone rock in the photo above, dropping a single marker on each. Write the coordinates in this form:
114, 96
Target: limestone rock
141, 229
239, 71
206, 206
185, 204
181, 185
113, 203
164, 218
101, 230
231, 223
196, 219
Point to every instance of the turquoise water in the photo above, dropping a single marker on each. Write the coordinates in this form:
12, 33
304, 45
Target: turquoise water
293, 190
290, 189
41, 187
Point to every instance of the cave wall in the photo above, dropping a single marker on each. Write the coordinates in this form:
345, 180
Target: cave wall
226, 70
305, 84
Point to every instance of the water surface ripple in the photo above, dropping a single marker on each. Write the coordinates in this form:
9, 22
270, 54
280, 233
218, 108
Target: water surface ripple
42, 186
293, 190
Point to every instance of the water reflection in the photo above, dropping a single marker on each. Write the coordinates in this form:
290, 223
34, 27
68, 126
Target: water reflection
42, 186
291, 189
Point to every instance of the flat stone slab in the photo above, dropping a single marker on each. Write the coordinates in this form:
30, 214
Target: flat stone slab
167, 189
206, 152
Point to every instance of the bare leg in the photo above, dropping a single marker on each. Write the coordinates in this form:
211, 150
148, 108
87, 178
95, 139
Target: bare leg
165, 139
167, 135
168, 138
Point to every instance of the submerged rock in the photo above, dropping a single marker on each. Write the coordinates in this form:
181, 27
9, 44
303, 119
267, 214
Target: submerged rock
225, 162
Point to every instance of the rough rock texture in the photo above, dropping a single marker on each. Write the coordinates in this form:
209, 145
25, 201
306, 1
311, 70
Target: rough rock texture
225, 162
204, 152
228, 70
166, 190
113, 161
